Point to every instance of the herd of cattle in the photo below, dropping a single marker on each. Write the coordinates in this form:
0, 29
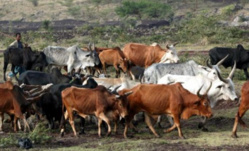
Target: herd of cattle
166, 87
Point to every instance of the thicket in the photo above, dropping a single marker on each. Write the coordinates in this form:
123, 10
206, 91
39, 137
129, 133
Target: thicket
145, 9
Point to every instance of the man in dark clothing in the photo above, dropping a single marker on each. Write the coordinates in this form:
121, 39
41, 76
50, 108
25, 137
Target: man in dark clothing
17, 44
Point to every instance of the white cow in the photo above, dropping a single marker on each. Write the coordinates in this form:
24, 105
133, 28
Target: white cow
113, 83
156, 71
72, 57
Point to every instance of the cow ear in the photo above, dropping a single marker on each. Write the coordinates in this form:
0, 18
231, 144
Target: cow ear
117, 96
167, 46
197, 103
240, 47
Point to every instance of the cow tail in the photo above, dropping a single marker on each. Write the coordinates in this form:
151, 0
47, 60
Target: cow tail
241, 122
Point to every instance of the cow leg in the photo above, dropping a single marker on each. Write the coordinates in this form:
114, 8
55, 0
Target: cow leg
82, 126
177, 123
246, 73
148, 122
15, 123
131, 75
104, 117
25, 124
115, 126
117, 71
170, 129
19, 125
127, 123
104, 68
202, 124
71, 120
99, 127
64, 117
238, 119
1, 122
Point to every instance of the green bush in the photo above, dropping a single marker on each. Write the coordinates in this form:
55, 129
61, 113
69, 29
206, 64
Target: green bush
144, 9
228, 10
46, 24
40, 135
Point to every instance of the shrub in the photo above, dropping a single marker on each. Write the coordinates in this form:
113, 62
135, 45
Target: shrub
46, 24
228, 10
144, 9
40, 134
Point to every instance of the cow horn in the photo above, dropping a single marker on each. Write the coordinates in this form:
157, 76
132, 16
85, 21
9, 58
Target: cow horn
174, 44
128, 93
93, 46
115, 90
232, 72
222, 60
220, 77
208, 64
89, 46
208, 88
198, 92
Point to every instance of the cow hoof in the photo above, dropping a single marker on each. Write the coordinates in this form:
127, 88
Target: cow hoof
157, 136
200, 125
204, 129
159, 126
82, 132
234, 136
182, 137
135, 123
62, 134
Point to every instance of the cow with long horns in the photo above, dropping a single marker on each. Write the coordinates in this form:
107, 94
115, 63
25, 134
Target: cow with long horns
156, 71
173, 100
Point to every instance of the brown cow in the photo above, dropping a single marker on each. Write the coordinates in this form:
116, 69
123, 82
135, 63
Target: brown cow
14, 102
243, 107
99, 102
144, 56
172, 100
115, 57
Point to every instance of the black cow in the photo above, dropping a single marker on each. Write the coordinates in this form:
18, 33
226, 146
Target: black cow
25, 57
239, 54
41, 78
50, 104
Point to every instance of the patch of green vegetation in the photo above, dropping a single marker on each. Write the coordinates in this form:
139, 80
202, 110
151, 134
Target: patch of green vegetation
228, 10
144, 9
40, 135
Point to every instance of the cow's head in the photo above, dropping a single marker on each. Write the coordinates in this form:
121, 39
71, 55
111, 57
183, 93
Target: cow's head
170, 55
123, 64
199, 106
94, 54
224, 88
40, 60
121, 98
